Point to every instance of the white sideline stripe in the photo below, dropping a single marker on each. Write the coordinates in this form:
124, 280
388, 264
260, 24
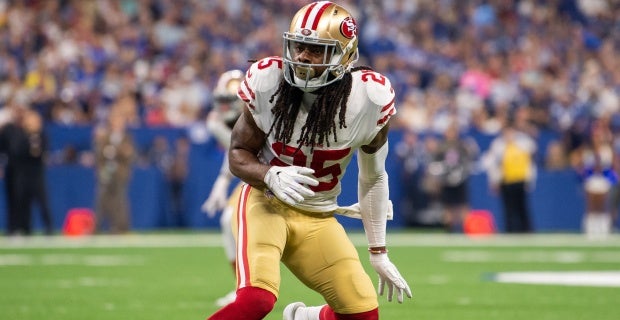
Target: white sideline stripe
531, 256
88, 282
394, 239
570, 278
92, 260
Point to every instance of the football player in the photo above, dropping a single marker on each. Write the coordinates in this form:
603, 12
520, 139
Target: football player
306, 114
226, 110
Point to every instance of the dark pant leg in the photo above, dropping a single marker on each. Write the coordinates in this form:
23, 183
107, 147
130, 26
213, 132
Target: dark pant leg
514, 199
23, 205
119, 208
523, 212
40, 196
11, 204
511, 207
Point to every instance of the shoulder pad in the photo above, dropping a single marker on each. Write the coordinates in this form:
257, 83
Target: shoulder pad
265, 74
377, 87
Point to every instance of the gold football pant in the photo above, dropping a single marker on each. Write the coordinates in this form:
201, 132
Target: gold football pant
313, 246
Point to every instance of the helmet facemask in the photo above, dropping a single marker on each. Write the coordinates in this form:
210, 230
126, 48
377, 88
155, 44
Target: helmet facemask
327, 28
303, 75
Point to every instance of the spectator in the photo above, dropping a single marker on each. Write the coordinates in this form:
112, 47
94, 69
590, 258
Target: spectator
161, 156
614, 205
412, 160
453, 163
176, 180
114, 154
512, 173
430, 184
594, 164
555, 159
172, 164
25, 145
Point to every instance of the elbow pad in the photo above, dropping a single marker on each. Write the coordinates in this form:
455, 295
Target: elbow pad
373, 194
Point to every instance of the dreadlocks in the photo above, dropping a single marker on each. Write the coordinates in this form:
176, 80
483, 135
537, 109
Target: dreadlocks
321, 121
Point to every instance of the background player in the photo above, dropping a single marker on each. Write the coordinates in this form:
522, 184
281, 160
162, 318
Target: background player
226, 110
307, 114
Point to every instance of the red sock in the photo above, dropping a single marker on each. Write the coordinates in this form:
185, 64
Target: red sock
251, 304
328, 314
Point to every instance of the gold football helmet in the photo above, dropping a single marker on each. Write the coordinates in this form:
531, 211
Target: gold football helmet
225, 99
328, 27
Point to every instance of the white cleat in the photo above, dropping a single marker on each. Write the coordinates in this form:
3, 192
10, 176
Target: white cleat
291, 309
227, 299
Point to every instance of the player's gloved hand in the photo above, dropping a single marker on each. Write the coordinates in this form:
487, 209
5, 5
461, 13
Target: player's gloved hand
287, 183
218, 197
389, 275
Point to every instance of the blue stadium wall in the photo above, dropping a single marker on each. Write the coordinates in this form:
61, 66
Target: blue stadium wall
557, 202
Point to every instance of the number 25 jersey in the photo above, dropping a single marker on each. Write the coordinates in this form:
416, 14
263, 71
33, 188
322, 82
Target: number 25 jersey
369, 107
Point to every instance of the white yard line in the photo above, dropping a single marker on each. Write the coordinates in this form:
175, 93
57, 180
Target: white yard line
567, 278
65, 259
531, 256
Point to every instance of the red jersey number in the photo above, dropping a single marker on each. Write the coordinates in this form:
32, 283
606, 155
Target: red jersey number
371, 75
318, 163
267, 62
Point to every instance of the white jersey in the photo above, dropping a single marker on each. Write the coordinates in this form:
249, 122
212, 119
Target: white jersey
369, 107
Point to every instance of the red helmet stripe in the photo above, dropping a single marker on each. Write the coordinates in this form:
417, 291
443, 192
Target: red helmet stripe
313, 14
315, 24
303, 22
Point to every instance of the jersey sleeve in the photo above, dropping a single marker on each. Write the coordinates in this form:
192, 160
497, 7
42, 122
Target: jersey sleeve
381, 97
261, 81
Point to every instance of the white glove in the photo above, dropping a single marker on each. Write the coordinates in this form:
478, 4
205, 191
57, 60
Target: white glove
389, 275
218, 198
287, 183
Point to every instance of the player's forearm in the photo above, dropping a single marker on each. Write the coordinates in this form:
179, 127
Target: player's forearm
247, 167
246, 143
373, 194
374, 201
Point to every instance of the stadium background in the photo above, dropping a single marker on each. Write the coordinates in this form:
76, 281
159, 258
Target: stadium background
74, 60
557, 201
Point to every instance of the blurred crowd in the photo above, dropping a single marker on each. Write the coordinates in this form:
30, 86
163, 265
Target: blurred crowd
546, 65
475, 61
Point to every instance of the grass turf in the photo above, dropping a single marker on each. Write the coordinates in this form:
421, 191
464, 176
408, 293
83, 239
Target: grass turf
179, 276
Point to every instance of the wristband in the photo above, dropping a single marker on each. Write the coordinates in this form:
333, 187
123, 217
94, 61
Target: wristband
378, 250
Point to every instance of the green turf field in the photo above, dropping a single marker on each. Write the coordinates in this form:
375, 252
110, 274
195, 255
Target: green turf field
178, 276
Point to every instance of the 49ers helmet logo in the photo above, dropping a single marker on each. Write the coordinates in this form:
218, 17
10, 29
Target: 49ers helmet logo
348, 28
